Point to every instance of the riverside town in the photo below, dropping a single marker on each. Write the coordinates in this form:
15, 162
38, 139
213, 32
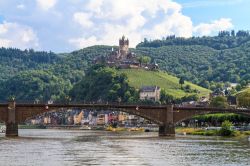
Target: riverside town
100, 82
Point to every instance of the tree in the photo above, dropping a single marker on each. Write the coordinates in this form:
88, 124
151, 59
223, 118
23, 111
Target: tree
181, 81
226, 128
35, 85
205, 84
144, 59
166, 98
219, 102
238, 87
243, 98
103, 84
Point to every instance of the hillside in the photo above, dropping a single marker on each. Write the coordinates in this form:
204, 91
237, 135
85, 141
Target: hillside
139, 77
200, 60
13, 61
222, 58
223, 40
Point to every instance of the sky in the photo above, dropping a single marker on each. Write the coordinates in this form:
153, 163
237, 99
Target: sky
67, 25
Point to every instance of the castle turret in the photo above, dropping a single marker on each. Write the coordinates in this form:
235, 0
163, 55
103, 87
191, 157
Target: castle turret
123, 47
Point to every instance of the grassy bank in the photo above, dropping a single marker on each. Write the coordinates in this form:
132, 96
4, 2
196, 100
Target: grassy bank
140, 77
123, 129
31, 127
200, 131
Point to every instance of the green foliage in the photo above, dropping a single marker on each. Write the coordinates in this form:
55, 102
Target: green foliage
139, 77
226, 128
102, 84
193, 97
166, 98
219, 118
14, 60
144, 59
224, 40
219, 59
219, 102
206, 61
243, 98
181, 81
35, 85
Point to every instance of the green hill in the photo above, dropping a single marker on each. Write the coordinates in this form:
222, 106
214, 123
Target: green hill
205, 61
139, 77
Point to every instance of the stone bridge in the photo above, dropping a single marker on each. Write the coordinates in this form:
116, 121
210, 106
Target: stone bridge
166, 116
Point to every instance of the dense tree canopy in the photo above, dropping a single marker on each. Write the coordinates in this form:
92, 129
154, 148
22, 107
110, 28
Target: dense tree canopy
243, 98
219, 101
35, 85
103, 84
224, 40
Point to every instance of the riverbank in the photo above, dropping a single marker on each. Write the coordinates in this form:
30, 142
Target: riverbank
76, 127
204, 132
31, 127
109, 128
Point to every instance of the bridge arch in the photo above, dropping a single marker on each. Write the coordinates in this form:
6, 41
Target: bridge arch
42, 111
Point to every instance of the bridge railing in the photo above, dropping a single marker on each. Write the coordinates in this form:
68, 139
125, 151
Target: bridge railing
79, 102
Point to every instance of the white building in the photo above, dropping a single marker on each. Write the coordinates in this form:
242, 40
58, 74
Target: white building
150, 93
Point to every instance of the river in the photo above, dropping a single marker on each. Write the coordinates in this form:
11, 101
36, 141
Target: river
40, 147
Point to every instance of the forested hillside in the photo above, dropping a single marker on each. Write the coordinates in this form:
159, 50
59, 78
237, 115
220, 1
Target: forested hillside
30, 75
14, 60
224, 40
221, 58
200, 64
205, 61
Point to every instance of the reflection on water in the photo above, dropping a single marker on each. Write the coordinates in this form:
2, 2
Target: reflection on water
69, 147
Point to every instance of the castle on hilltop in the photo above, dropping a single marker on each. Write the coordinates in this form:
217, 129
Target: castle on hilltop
123, 47
123, 58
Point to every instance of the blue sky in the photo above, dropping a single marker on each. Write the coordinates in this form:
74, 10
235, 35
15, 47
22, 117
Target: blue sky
67, 25
207, 10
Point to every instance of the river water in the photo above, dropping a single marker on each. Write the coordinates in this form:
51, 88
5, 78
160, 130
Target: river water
78, 147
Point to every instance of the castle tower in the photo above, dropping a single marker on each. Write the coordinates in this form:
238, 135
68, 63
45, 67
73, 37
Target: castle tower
123, 47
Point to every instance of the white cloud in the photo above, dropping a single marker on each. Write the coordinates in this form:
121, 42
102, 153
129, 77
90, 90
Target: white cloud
176, 24
16, 35
83, 19
46, 4
3, 28
84, 42
5, 43
135, 19
71, 24
204, 29
20, 6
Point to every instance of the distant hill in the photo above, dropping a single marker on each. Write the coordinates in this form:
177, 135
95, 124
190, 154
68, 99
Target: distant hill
221, 58
201, 60
205, 61
140, 77
224, 40
14, 60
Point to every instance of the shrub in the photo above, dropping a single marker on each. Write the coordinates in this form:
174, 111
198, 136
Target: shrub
226, 128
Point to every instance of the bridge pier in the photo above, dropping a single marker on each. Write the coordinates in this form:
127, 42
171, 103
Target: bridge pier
11, 124
168, 128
